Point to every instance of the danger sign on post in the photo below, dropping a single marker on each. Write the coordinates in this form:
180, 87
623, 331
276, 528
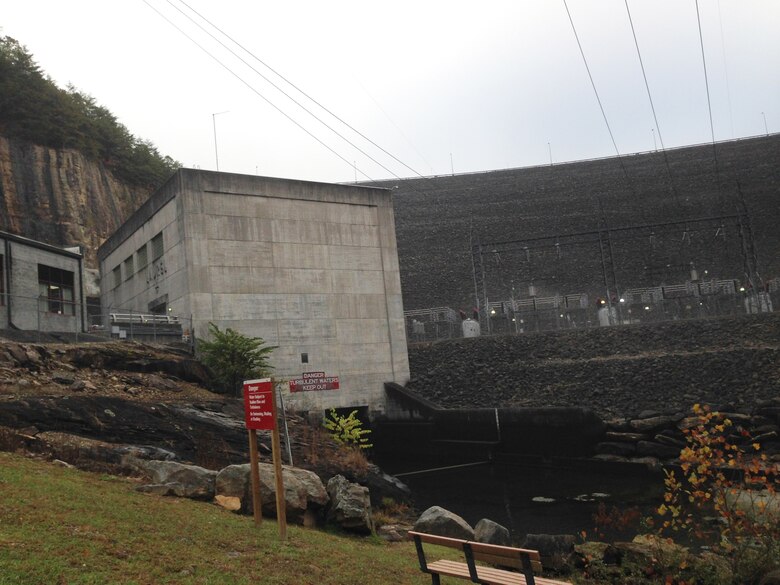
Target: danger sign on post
258, 405
313, 381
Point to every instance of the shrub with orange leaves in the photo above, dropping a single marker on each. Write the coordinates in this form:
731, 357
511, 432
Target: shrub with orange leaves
724, 496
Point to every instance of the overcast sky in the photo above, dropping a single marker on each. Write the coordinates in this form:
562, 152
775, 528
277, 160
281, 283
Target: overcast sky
440, 85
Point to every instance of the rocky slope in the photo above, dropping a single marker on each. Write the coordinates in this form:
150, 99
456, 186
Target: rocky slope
61, 197
93, 404
616, 371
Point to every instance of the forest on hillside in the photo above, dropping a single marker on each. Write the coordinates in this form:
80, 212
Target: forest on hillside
34, 109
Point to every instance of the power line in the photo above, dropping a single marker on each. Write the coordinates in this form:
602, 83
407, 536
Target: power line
275, 86
709, 102
242, 80
652, 106
250, 53
598, 99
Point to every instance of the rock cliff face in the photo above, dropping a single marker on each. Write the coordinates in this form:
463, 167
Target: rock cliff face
61, 197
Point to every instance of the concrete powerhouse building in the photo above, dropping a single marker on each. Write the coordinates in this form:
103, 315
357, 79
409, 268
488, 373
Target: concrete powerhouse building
40, 286
310, 267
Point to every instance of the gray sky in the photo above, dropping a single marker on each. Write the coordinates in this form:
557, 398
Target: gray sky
439, 84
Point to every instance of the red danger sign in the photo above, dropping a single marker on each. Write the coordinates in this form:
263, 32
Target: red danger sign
258, 405
314, 381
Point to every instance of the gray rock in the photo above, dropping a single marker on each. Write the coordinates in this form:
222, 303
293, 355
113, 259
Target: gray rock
78, 385
655, 423
350, 505
669, 441
17, 353
63, 377
437, 520
163, 489
393, 532
303, 490
624, 437
198, 482
554, 549
491, 532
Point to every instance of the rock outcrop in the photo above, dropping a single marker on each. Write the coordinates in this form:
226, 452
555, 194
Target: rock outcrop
61, 197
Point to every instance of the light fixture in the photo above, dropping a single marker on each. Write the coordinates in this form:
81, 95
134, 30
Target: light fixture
492, 311
622, 300
647, 308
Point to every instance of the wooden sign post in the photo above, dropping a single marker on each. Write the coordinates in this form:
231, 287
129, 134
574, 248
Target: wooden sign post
260, 414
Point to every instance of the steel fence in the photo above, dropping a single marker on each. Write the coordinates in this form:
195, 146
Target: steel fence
42, 318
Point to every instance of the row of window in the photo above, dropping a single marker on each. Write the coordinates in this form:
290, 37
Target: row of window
139, 261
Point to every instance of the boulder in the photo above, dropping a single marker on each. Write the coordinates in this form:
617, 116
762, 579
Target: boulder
163, 489
198, 483
491, 532
350, 505
17, 353
437, 520
63, 377
553, 548
596, 551
303, 490
655, 423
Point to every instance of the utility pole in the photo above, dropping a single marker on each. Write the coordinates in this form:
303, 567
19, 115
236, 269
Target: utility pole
549, 150
766, 128
214, 124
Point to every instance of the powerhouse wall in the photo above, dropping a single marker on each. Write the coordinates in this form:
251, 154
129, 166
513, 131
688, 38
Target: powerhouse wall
309, 267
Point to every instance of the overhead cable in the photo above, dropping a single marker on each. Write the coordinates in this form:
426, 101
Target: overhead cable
254, 90
287, 95
598, 98
652, 106
709, 102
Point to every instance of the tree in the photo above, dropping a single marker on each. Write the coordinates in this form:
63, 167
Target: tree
234, 357
34, 109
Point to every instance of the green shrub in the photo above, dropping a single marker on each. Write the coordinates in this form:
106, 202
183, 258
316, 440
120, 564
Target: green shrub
234, 357
347, 430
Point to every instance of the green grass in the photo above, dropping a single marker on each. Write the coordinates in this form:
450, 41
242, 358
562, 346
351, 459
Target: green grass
62, 526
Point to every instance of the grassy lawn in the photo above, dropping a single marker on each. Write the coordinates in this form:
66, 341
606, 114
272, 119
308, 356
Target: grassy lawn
62, 526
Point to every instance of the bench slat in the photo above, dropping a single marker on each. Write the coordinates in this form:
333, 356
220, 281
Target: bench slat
506, 561
439, 540
508, 551
494, 554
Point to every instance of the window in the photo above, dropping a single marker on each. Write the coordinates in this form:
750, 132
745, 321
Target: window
117, 272
129, 268
55, 287
141, 259
157, 247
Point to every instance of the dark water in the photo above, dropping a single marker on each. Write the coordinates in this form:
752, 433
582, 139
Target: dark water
505, 493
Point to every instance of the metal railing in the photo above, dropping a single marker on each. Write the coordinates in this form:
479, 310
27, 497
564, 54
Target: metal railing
40, 318
690, 300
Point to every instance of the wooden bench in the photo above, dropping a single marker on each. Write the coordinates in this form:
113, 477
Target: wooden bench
523, 560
